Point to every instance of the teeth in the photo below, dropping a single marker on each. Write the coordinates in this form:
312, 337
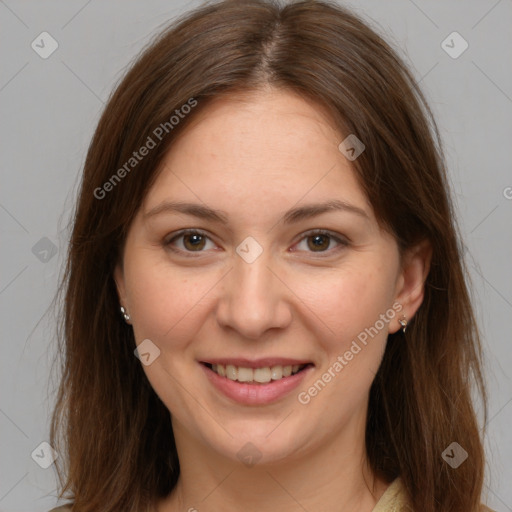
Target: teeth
231, 372
245, 374
260, 375
276, 372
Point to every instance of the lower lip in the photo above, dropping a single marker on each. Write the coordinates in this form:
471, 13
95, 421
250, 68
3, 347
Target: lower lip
256, 394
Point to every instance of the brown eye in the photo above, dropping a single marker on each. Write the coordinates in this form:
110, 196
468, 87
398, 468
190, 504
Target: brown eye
194, 241
318, 242
188, 241
321, 241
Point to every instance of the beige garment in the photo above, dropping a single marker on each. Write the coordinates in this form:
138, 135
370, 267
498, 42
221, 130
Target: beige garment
394, 499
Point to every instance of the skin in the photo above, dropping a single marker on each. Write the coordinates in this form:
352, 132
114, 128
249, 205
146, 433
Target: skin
254, 156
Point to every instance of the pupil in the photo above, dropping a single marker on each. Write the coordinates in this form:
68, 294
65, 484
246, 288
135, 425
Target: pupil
194, 240
317, 243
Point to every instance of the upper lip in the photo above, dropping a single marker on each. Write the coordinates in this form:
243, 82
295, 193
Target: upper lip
256, 363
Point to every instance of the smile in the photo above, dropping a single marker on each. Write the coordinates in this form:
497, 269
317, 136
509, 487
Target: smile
262, 375
256, 383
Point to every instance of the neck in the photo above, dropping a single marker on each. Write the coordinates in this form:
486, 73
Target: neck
333, 477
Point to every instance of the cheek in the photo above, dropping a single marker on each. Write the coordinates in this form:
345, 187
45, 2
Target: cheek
350, 302
352, 308
162, 299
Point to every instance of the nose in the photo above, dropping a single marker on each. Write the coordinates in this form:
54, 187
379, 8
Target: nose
254, 298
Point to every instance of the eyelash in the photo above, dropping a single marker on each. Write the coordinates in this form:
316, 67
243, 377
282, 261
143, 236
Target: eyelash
190, 254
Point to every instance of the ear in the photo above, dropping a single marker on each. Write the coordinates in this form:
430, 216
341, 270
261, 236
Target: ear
410, 286
120, 285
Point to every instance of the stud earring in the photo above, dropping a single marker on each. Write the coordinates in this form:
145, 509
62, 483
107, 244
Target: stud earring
126, 316
403, 323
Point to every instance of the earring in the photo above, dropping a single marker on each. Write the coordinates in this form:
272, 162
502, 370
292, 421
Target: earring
126, 316
403, 323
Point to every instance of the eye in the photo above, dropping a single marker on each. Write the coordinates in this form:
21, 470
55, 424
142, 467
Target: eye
188, 240
319, 241
195, 240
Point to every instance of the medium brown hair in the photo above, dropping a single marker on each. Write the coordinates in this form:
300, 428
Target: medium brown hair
112, 430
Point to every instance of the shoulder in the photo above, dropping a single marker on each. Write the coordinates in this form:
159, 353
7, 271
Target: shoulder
394, 499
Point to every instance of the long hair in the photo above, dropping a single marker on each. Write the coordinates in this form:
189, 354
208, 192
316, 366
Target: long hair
112, 431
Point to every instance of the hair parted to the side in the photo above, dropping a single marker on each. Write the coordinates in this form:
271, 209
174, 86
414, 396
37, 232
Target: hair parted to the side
112, 431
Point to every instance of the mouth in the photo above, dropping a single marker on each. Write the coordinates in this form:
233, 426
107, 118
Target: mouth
258, 382
256, 375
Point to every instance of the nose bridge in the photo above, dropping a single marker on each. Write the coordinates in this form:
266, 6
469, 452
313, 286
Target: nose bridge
253, 299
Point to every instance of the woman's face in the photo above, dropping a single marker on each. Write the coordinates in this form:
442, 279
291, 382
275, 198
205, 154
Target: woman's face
252, 291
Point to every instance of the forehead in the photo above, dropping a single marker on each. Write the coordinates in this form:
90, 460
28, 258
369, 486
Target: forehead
272, 116
268, 146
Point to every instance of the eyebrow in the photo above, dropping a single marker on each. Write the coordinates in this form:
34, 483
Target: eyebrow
291, 216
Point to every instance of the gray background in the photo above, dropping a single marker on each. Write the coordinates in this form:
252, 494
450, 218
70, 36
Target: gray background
49, 108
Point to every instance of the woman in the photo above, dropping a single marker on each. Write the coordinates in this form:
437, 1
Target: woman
265, 301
